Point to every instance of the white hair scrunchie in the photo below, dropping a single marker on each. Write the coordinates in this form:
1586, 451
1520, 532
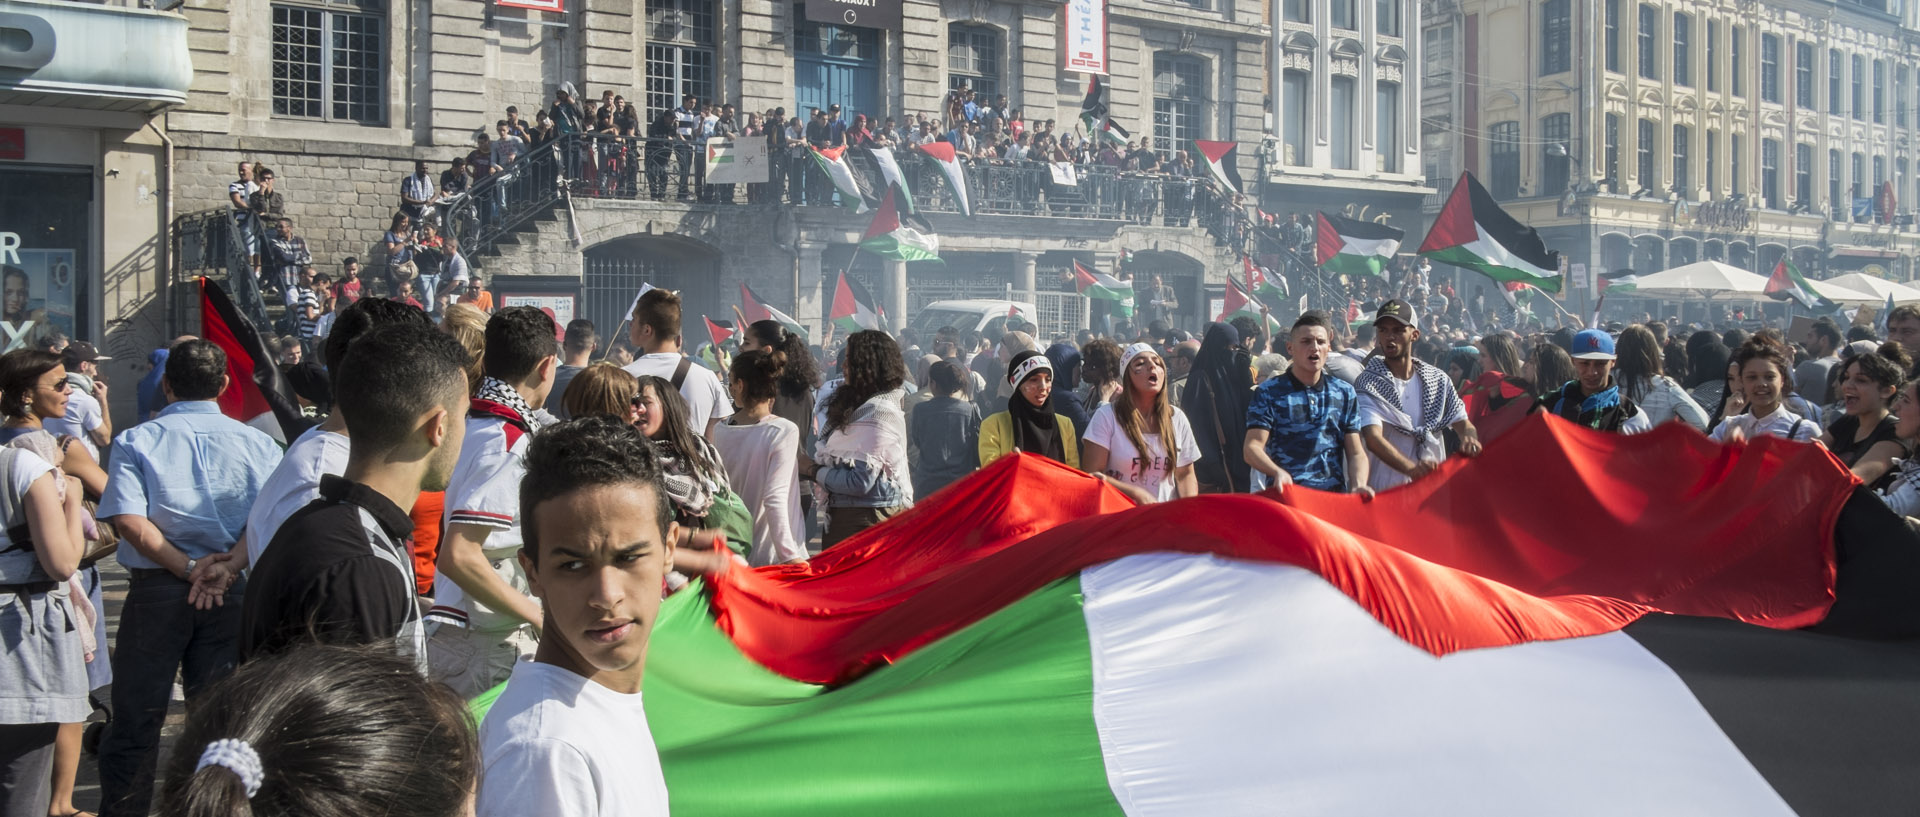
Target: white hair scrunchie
236, 756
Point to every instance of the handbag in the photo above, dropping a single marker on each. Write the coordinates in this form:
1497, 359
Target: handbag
729, 515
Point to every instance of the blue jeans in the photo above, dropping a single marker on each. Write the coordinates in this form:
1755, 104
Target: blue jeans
159, 633
428, 286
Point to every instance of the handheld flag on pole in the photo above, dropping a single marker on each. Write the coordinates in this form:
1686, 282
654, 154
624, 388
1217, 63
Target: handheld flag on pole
854, 308
1238, 303
1473, 232
951, 170
754, 309
1880, 320
1222, 160
891, 174
887, 235
719, 331
1353, 246
1263, 284
259, 394
1103, 287
1786, 284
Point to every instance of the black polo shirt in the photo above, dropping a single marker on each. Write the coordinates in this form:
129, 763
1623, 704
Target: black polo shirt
338, 571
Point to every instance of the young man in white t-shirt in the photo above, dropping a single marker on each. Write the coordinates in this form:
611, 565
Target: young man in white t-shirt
483, 619
655, 331
1405, 404
568, 736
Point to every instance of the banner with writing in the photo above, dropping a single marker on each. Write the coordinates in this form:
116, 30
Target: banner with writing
1085, 49
736, 162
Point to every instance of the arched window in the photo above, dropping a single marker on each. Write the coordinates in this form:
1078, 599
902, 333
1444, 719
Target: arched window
973, 56
1504, 150
1179, 101
680, 39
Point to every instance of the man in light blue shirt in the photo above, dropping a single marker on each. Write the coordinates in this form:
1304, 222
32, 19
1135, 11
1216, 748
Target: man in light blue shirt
178, 489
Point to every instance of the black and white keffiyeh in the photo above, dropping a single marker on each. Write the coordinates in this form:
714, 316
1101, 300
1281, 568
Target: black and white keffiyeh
1436, 390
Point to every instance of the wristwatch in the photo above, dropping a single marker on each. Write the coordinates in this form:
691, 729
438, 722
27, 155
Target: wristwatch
191, 564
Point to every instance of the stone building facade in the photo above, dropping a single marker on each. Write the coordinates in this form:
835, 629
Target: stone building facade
1645, 135
401, 81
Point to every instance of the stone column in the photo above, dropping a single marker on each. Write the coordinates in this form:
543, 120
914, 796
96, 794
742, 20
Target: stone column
897, 294
807, 306
1023, 276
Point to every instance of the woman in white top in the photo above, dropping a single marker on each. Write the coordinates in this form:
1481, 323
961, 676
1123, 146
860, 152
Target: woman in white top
1641, 376
1766, 378
760, 450
1126, 439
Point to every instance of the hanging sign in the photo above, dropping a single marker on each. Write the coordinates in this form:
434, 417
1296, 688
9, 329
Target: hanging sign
1086, 37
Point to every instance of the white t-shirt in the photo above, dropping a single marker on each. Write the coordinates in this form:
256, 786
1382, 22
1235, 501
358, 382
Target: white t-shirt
762, 466
1123, 461
83, 416
1781, 423
706, 399
294, 484
485, 491
1381, 476
560, 745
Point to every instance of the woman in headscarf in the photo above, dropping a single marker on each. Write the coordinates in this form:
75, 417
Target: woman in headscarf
1219, 389
1030, 422
1066, 385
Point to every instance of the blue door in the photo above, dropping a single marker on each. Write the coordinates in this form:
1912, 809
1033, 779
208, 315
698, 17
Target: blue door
836, 65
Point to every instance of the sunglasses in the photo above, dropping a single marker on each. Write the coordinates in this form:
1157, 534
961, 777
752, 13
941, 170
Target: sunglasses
62, 386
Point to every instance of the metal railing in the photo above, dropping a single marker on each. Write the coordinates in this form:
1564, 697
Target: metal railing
603, 166
208, 244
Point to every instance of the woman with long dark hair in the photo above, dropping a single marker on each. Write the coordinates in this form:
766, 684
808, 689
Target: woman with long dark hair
1499, 382
1864, 438
1102, 372
799, 378
1030, 422
760, 450
862, 456
1219, 389
697, 483
1643, 380
1549, 369
1140, 440
1766, 380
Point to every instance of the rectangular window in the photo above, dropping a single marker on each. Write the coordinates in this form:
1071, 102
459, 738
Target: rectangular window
1713, 55
1681, 156
1386, 17
1556, 37
1770, 173
329, 65
1802, 175
1713, 164
1736, 60
1879, 92
1296, 92
1769, 68
1837, 202
973, 55
1299, 11
1803, 75
1341, 14
1386, 120
1859, 178
1682, 43
1736, 151
1612, 159
1859, 96
1649, 42
1649, 173
1437, 56
1504, 151
680, 54
1879, 174
1899, 96
1179, 94
1613, 35
1836, 82
1554, 133
1341, 92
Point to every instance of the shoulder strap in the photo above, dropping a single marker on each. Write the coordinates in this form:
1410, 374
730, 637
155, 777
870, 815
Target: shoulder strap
1795, 431
680, 372
9, 503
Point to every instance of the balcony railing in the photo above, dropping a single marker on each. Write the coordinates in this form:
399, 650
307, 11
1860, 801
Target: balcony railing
208, 244
597, 166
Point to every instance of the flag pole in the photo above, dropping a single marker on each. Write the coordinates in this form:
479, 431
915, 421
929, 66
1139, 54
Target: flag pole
741, 315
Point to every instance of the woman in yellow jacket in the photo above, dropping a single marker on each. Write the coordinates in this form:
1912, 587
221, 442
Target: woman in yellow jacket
1029, 423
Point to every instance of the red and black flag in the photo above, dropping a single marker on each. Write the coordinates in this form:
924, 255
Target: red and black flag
258, 394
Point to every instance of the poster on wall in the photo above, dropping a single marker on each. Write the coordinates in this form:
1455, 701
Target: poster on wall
560, 306
1086, 35
741, 162
36, 296
554, 6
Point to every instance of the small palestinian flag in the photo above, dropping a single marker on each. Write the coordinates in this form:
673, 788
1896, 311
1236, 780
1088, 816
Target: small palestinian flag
955, 174
833, 162
719, 331
1238, 303
1222, 161
258, 394
854, 308
890, 174
1352, 246
1094, 105
1103, 287
1029, 643
1619, 281
754, 309
1263, 284
1112, 132
888, 236
1786, 284
1473, 232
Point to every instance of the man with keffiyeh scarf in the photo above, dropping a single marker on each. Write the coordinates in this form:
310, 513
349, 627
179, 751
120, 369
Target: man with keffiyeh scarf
1405, 403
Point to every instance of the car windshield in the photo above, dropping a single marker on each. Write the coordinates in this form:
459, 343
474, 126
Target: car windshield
931, 319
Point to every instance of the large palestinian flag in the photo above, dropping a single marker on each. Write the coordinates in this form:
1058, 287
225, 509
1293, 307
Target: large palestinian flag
1473, 232
754, 309
833, 162
854, 308
258, 393
1787, 284
890, 236
951, 170
1025, 642
1352, 246
1222, 161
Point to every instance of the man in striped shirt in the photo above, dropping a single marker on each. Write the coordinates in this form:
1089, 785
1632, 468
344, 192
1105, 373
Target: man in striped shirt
304, 307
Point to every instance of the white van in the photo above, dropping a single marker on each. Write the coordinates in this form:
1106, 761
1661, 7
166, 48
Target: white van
988, 317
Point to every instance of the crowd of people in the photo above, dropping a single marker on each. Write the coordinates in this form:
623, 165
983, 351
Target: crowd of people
480, 504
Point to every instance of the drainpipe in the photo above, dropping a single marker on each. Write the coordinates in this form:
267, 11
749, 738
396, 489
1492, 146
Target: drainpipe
165, 253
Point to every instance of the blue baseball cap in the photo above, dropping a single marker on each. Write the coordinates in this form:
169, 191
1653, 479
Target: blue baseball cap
1593, 344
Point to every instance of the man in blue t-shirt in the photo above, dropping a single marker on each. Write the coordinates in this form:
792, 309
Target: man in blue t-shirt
1303, 427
